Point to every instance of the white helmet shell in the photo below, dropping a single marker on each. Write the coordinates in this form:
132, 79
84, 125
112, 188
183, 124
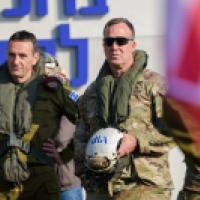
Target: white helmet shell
101, 150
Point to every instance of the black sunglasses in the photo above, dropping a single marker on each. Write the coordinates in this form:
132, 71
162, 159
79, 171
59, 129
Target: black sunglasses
120, 41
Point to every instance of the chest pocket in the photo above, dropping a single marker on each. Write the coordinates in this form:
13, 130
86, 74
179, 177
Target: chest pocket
46, 112
42, 104
140, 103
47, 115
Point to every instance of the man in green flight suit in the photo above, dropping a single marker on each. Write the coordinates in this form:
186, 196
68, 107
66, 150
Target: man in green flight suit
31, 106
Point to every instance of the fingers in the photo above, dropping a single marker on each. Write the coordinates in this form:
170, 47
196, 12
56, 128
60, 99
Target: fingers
129, 143
51, 151
49, 146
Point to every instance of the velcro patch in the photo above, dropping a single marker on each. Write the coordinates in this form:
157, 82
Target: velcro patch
74, 96
51, 83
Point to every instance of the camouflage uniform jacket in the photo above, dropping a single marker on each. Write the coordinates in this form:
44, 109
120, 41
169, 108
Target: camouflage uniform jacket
144, 121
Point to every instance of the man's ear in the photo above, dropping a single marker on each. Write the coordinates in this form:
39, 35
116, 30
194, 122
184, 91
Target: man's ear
134, 44
36, 57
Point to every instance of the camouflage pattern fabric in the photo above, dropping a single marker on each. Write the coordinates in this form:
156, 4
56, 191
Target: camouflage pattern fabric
145, 122
188, 195
144, 193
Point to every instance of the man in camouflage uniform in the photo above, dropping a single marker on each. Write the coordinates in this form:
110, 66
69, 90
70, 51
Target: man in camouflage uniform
128, 97
31, 106
183, 127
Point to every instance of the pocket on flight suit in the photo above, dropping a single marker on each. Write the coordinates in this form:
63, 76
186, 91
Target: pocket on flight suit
41, 185
53, 191
52, 185
48, 186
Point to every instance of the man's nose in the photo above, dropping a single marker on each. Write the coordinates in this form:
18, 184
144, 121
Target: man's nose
114, 45
16, 60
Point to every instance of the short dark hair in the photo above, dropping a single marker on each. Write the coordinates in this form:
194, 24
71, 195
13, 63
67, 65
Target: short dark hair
117, 21
25, 35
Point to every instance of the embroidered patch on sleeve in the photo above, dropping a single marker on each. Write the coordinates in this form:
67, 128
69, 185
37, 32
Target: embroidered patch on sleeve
74, 96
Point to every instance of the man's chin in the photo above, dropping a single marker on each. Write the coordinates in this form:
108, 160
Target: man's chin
116, 64
16, 75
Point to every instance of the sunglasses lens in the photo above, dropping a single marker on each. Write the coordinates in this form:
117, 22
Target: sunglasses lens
120, 41
109, 41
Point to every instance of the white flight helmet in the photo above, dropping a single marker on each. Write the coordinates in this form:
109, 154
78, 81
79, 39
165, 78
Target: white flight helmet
101, 150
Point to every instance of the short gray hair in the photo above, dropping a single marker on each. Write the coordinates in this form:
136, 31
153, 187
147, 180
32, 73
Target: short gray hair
117, 21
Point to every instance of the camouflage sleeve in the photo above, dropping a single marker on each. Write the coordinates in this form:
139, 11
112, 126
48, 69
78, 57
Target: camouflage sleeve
154, 140
151, 137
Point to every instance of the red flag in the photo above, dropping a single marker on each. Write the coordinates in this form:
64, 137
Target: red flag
183, 71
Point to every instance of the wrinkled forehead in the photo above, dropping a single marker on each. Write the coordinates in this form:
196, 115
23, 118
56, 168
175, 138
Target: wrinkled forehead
20, 46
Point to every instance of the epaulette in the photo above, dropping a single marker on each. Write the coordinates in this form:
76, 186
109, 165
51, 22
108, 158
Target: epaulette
51, 83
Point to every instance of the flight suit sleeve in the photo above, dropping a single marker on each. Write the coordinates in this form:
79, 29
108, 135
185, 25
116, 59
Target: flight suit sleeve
65, 102
63, 97
152, 136
155, 140
70, 101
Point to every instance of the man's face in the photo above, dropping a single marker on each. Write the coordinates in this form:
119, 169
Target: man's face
119, 56
21, 59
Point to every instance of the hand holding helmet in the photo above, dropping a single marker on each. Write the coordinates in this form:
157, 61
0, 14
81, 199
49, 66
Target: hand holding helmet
101, 150
128, 145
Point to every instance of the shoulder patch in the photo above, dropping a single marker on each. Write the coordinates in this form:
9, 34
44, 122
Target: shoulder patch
74, 96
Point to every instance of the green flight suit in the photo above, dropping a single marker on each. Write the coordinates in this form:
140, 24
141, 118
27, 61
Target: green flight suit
45, 106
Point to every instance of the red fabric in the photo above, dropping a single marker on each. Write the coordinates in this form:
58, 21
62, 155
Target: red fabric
188, 69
